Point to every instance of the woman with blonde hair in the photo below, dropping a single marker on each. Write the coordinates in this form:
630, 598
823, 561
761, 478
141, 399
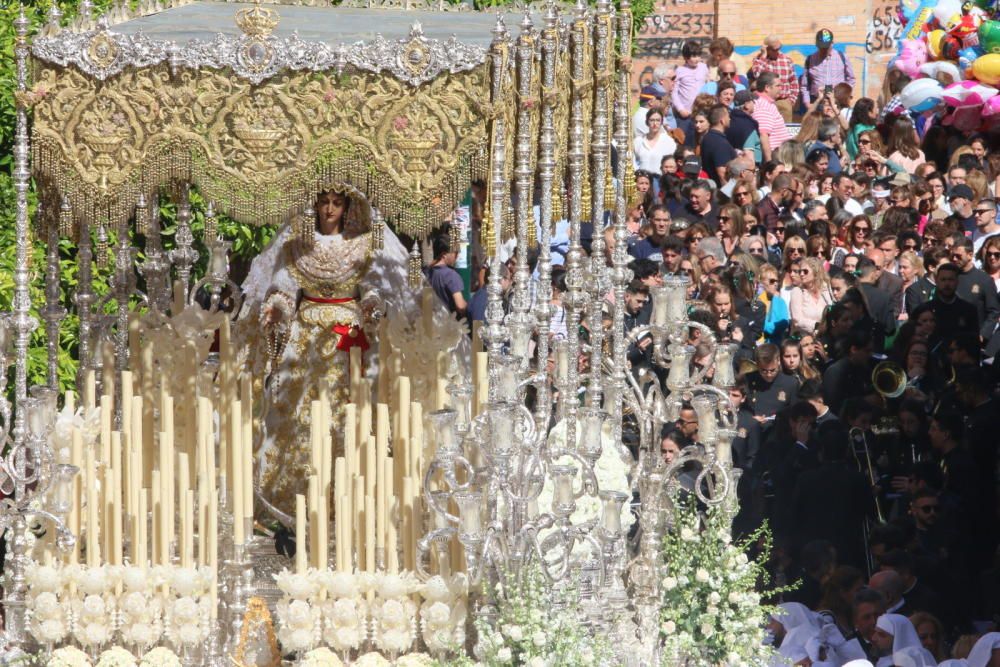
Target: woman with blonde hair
980, 185
911, 269
811, 297
989, 257
776, 314
793, 252
791, 154
930, 630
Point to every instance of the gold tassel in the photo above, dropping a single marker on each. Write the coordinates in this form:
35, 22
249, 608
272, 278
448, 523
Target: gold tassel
487, 232
141, 212
609, 193
629, 183
307, 227
557, 201
585, 201
102, 251
414, 273
65, 219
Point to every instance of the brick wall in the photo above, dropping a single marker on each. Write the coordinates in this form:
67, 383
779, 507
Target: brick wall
866, 30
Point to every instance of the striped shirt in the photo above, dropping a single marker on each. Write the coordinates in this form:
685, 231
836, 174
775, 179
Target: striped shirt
770, 121
829, 71
784, 69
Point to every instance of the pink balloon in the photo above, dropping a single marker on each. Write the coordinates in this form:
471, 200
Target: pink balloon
911, 57
968, 94
991, 109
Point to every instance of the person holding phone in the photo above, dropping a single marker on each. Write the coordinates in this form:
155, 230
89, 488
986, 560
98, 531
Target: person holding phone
824, 69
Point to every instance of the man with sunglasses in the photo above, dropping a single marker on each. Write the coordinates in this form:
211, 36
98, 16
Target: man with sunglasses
960, 199
770, 60
976, 287
985, 215
727, 72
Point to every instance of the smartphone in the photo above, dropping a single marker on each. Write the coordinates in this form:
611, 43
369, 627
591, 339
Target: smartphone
827, 90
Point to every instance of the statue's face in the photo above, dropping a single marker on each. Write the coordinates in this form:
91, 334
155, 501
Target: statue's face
330, 207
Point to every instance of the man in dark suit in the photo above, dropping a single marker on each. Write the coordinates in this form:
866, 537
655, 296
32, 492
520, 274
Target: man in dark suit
877, 301
953, 314
976, 287
889, 283
850, 375
832, 502
922, 289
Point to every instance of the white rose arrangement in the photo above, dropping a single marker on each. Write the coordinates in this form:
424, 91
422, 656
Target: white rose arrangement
48, 609
371, 659
89, 424
93, 610
116, 656
141, 606
160, 657
68, 656
711, 611
443, 612
416, 660
186, 610
527, 633
299, 618
345, 612
393, 613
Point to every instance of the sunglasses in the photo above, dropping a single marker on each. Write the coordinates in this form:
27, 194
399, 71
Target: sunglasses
800, 271
909, 246
993, 255
896, 202
771, 281
864, 142
756, 251
982, 211
791, 250
741, 194
779, 230
724, 218
861, 230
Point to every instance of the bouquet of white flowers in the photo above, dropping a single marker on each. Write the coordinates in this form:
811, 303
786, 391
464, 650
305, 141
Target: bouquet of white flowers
68, 656
160, 657
116, 656
526, 632
711, 612
48, 609
393, 612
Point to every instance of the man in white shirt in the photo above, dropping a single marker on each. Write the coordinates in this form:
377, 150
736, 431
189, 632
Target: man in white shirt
986, 224
843, 189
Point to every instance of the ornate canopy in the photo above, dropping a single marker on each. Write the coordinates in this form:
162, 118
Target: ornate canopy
260, 117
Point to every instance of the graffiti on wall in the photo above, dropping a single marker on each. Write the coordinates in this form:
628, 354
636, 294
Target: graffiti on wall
671, 23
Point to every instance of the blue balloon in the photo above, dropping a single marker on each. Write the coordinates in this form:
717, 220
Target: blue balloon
967, 56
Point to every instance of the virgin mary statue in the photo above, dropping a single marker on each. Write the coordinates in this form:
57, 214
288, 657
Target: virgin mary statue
313, 294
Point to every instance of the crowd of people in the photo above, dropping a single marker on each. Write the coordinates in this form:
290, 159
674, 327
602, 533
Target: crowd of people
855, 264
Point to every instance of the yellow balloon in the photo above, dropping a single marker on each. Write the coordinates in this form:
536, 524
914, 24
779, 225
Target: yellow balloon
934, 43
986, 69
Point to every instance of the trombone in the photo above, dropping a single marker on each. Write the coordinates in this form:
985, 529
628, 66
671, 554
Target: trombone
857, 436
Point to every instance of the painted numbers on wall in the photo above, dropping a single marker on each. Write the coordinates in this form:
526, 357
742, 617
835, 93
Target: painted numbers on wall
884, 29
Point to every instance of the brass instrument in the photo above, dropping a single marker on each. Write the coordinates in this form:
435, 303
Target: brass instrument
889, 379
857, 435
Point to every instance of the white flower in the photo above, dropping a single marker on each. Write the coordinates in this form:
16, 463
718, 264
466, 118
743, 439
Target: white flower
93, 581
514, 632
701, 575
189, 581
342, 585
321, 657
46, 605
137, 606
393, 614
94, 633
298, 614
669, 583
393, 586
504, 655
135, 579
436, 615
734, 597
299, 586
51, 630
537, 661
742, 559
298, 640
539, 639
42, 578
189, 633
415, 660
714, 598
395, 641
687, 534
68, 656
707, 630
160, 657
342, 638
345, 613
371, 660
668, 627
436, 590
184, 610
116, 657
142, 634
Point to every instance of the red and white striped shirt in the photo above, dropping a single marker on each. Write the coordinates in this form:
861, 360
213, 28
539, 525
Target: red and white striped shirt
770, 121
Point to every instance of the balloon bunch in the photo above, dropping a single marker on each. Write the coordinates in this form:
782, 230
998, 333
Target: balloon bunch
951, 50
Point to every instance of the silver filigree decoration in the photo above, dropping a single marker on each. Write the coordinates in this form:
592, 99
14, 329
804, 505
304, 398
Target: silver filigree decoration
414, 60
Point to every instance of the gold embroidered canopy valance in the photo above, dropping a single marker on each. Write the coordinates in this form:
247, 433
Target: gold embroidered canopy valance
257, 121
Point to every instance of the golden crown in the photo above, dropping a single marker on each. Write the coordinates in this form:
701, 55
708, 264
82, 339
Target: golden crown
257, 21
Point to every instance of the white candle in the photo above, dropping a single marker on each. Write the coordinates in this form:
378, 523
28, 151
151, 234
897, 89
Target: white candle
93, 551
116, 499
139, 551
157, 506
300, 533
236, 449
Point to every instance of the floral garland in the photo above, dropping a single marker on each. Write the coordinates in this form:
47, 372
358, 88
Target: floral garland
348, 612
711, 611
526, 632
98, 606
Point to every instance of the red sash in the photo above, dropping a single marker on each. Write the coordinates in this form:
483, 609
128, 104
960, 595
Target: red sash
350, 336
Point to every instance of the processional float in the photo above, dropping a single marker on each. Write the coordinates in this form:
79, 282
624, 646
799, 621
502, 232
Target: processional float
130, 512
